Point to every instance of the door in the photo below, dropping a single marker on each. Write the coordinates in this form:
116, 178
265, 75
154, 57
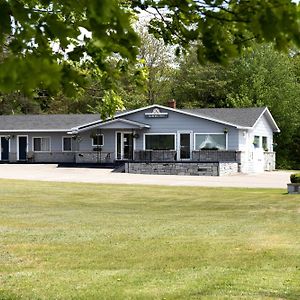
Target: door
4, 148
184, 146
22, 147
127, 146
124, 145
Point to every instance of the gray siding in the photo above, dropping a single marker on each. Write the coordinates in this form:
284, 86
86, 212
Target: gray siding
177, 121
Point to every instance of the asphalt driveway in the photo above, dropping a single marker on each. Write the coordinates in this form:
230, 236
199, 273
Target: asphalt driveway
50, 172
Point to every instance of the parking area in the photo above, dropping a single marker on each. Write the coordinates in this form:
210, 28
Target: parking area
51, 172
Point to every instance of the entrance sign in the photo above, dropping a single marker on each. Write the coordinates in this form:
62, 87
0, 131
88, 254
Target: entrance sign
156, 113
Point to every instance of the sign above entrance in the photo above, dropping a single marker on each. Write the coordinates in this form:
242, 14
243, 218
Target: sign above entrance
156, 113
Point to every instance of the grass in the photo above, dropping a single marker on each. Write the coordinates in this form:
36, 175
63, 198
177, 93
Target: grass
87, 241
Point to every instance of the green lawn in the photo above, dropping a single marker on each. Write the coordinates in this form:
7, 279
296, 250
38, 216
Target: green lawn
88, 241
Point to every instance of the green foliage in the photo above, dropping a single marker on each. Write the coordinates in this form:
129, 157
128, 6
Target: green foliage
40, 48
295, 178
224, 27
265, 77
259, 77
195, 85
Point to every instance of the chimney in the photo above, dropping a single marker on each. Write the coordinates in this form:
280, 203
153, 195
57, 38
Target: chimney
172, 103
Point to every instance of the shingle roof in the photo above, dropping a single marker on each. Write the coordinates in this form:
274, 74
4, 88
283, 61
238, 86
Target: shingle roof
45, 122
244, 117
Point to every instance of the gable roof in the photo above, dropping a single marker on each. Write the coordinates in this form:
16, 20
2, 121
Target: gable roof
242, 118
112, 124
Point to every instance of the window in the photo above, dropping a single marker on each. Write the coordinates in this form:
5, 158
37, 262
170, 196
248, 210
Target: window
41, 144
97, 140
160, 142
67, 144
265, 143
210, 141
256, 141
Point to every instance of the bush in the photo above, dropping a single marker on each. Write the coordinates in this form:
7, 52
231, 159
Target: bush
295, 178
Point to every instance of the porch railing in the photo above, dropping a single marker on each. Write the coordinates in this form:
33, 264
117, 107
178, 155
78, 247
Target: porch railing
155, 155
197, 155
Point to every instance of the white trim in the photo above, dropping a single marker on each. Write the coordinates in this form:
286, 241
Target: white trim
35, 130
190, 132
22, 135
62, 143
41, 137
160, 133
101, 123
212, 133
182, 112
102, 140
122, 143
270, 116
4, 136
116, 117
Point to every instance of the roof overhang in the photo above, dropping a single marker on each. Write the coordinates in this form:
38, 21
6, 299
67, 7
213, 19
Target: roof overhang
118, 123
34, 130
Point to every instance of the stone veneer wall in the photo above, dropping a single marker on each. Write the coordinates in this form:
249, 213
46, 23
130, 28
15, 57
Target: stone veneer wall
216, 155
68, 157
94, 157
228, 168
50, 157
155, 155
180, 168
269, 161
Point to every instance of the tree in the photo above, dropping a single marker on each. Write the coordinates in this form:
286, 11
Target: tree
265, 77
40, 37
222, 27
195, 85
42, 48
157, 60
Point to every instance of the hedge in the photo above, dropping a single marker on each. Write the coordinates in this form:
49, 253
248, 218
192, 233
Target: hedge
295, 178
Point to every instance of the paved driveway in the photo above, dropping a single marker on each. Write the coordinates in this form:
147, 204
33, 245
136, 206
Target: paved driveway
46, 172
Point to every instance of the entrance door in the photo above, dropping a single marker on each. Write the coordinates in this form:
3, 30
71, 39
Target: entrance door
127, 146
4, 148
22, 147
124, 145
184, 146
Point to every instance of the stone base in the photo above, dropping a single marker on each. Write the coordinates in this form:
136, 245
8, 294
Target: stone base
293, 188
181, 168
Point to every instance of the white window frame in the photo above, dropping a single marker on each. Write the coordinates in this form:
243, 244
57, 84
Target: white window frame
93, 145
62, 143
160, 133
212, 133
41, 137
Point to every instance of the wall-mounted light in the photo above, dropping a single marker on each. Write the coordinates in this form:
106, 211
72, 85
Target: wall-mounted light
7, 137
76, 137
225, 130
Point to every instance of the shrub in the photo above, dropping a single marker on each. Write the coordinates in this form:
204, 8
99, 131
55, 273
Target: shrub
295, 178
